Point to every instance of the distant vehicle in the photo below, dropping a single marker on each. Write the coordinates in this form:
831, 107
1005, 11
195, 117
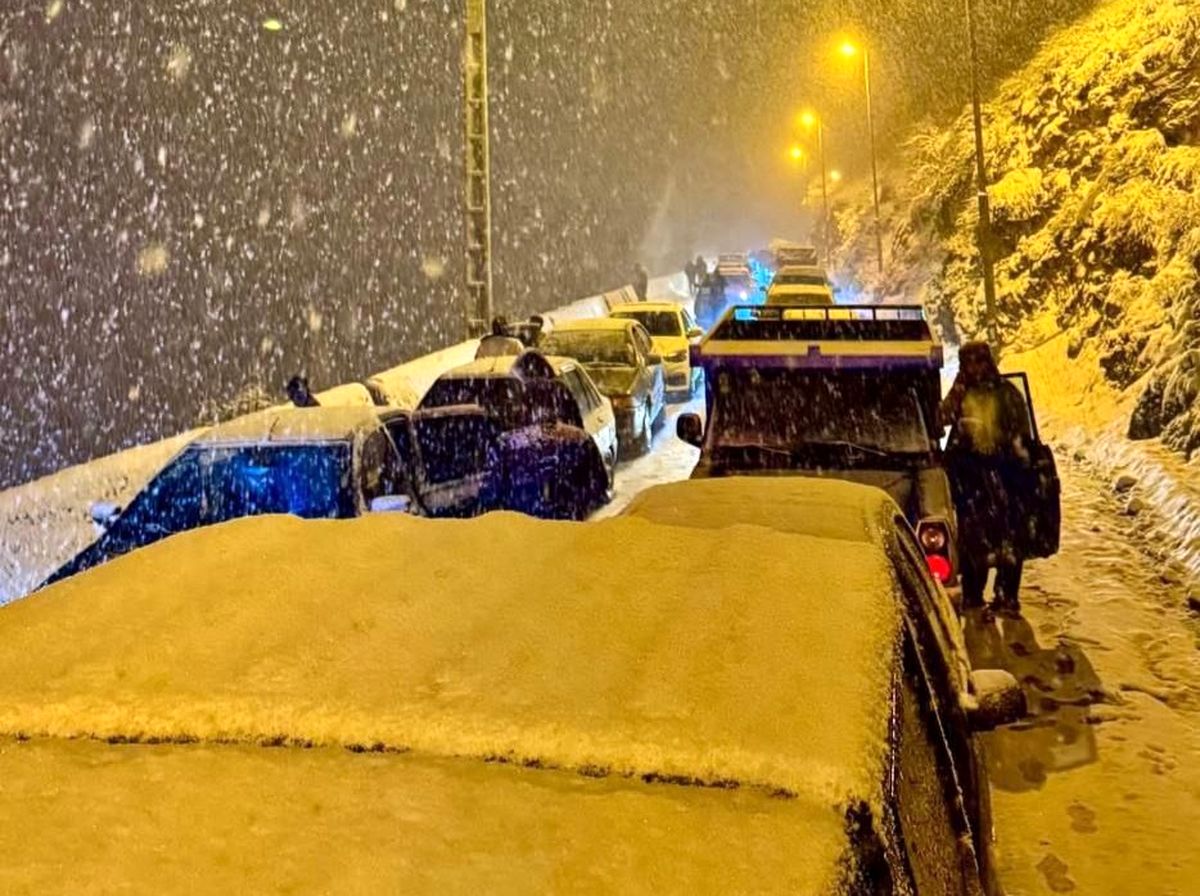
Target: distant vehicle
558, 434
315, 463
846, 512
618, 355
800, 285
672, 331
576, 705
846, 393
794, 254
733, 260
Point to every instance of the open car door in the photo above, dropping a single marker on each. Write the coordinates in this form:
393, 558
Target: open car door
1043, 494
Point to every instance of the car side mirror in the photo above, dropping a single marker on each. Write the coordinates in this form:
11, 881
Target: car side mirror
996, 699
392, 504
695, 333
105, 513
690, 429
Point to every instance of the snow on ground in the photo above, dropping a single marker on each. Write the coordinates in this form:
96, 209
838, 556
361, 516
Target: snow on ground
1099, 792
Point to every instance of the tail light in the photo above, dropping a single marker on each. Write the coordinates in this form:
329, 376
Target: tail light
934, 536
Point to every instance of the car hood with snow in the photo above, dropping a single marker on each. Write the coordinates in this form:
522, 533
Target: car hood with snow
632, 713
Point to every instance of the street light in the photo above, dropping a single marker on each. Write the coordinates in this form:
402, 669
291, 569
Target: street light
986, 262
796, 153
810, 120
851, 50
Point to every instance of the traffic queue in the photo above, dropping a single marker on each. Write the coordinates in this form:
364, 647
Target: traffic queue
823, 437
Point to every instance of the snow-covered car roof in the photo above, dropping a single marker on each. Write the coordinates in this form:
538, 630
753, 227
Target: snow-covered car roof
507, 365
595, 324
622, 659
291, 424
825, 508
644, 307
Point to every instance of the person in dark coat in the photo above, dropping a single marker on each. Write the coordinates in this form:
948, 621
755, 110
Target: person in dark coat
987, 458
500, 343
701, 268
299, 394
641, 282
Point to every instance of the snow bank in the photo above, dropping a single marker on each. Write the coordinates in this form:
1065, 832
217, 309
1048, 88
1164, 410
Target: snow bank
171, 819
621, 646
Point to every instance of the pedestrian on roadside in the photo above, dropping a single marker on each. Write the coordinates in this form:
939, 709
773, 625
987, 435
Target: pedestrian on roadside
641, 282
500, 343
701, 267
988, 461
690, 270
299, 394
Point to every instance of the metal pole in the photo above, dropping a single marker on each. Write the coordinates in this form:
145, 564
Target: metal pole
825, 194
478, 171
981, 175
874, 160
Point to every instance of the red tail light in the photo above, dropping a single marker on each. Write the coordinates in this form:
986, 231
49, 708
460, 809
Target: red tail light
934, 536
940, 567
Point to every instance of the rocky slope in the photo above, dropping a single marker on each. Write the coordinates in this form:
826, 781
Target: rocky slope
1094, 156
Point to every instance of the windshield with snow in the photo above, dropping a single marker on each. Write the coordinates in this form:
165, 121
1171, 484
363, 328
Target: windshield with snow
657, 323
602, 348
819, 413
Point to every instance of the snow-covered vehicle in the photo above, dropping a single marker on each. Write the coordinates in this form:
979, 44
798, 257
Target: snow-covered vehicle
847, 512
800, 285
842, 392
788, 253
623, 718
620, 359
558, 434
315, 463
672, 331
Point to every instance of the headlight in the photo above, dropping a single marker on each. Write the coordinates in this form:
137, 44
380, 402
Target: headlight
623, 402
678, 357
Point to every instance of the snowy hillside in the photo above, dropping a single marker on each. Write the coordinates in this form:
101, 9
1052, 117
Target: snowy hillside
1094, 169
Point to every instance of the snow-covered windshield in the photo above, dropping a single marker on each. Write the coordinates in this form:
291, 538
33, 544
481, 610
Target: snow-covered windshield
657, 323
208, 485
790, 409
598, 347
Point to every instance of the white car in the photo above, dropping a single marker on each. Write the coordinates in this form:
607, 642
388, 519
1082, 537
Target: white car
800, 285
672, 331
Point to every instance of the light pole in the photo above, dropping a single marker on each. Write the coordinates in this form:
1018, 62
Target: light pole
981, 175
811, 120
478, 170
850, 50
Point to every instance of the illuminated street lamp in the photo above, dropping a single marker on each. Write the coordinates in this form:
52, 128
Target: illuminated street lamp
851, 50
796, 153
835, 176
810, 120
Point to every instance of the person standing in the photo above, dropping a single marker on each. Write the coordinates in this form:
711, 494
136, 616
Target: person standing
500, 343
299, 394
641, 282
988, 461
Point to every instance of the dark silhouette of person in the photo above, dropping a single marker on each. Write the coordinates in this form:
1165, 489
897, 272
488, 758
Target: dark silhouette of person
299, 394
500, 343
701, 268
988, 461
641, 282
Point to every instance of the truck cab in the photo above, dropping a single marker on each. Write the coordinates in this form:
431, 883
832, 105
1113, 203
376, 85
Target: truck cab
849, 392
